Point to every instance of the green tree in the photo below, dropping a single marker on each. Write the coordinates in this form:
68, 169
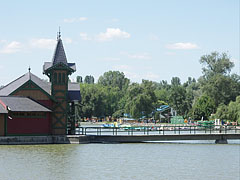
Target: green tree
203, 107
79, 79
114, 79
131, 107
141, 99
177, 97
175, 81
163, 85
192, 93
229, 112
216, 63
111, 101
161, 95
222, 89
216, 81
89, 79
234, 110
222, 112
116, 85
92, 100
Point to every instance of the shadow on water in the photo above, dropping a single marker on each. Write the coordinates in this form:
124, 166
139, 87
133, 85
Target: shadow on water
230, 142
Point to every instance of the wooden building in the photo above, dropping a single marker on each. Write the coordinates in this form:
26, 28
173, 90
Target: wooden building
45, 106
23, 116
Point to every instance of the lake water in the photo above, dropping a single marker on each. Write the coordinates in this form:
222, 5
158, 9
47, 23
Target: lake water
167, 161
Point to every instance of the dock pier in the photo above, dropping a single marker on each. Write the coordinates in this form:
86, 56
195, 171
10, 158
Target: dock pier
130, 135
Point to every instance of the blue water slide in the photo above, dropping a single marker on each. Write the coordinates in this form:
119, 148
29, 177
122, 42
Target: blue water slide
163, 108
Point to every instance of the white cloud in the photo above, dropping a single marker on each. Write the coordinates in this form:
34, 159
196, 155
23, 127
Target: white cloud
170, 53
109, 35
43, 43
137, 56
153, 37
115, 20
135, 74
152, 76
82, 19
131, 75
67, 40
12, 47
15, 46
85, 36
112, 33
127, 70
234, 60
3, 41
111, 59
122, 67
73, 20
183, 46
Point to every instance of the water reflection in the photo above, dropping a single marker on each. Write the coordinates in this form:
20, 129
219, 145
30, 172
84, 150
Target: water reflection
120, 161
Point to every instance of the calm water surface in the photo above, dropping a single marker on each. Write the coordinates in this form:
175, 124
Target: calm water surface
167, 161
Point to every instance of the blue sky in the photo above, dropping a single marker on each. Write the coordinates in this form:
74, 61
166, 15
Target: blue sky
154, 39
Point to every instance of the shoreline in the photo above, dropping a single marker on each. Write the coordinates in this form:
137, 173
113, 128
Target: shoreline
50, 139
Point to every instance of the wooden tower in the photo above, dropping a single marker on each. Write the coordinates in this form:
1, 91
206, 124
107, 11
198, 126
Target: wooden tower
58, 71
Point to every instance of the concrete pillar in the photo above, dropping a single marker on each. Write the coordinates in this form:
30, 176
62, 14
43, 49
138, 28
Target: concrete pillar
221, 141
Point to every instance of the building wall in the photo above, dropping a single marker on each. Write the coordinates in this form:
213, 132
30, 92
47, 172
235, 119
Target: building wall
34, 94
29, 125
47, 103
33, 91
2, 125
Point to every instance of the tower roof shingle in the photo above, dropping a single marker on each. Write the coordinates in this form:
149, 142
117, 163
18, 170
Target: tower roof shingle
59, 54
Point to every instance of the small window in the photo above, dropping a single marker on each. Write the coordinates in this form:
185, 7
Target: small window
59, 78
55, 78
63, 78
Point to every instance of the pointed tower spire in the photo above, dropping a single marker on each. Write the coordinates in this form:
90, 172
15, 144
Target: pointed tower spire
59, 59
59, 54
59, 34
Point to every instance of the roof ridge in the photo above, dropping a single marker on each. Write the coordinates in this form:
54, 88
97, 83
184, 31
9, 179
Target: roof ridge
13, 81
12, 86
37, 77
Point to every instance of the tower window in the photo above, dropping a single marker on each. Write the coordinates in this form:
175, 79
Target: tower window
63, 78
55, 78
59, 78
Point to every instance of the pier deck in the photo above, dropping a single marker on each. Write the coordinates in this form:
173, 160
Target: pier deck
131, 135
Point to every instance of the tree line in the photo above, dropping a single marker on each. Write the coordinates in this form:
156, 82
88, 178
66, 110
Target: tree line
216, 94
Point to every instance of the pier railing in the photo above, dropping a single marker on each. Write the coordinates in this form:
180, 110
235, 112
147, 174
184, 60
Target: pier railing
159, 130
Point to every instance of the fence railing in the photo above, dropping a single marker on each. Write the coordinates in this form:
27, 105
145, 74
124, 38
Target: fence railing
158, 130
